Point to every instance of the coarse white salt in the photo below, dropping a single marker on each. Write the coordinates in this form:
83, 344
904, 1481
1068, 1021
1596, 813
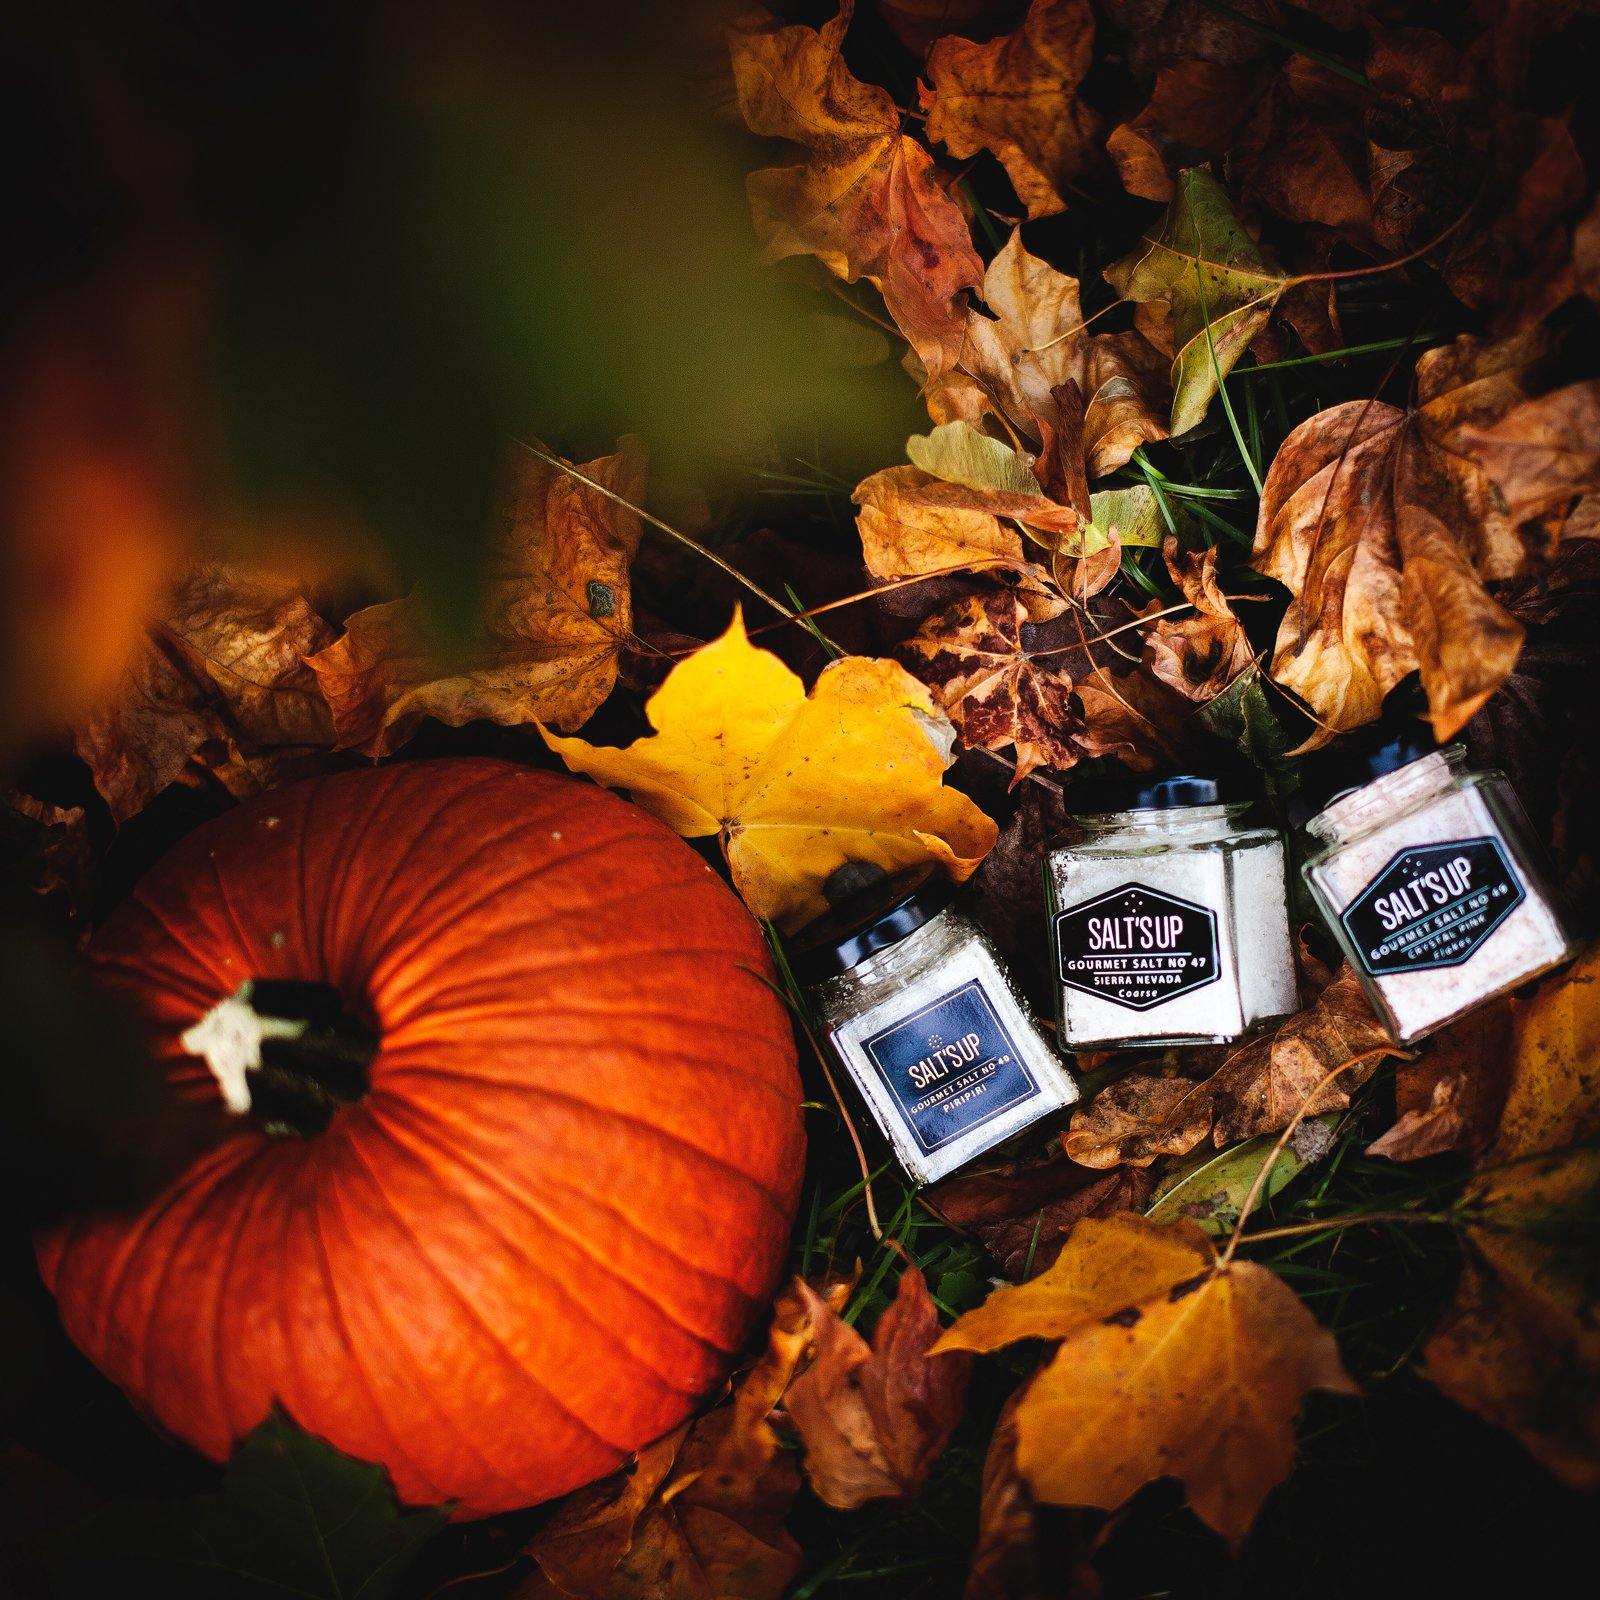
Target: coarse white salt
1430, 879
1169, 923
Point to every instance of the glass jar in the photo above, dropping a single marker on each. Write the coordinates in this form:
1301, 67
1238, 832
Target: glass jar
1430, 879
921, 1012
1169, 923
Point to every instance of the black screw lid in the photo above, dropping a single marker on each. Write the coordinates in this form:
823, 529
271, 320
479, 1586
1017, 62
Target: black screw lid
1170, 794
1400, 736
868, 921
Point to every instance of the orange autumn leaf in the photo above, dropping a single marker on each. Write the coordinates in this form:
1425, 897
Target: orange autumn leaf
867, 202
794, 786
874, 1418
1386, 524
1017, 97
556, 614
913, 524
1171, 1362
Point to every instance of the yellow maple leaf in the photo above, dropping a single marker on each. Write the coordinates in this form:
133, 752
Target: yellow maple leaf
1173, 1362
793, 785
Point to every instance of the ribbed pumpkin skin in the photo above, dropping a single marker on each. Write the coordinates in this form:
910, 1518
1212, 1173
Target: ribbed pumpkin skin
537, 1240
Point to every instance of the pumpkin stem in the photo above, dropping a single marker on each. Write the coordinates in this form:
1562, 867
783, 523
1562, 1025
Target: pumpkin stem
285, 1053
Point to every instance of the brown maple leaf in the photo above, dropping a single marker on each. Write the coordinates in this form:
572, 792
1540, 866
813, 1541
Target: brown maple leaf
1202, 653
700, 1516
1015, 361
1384, 525
219, 682
557, 615
1264, 1083
867, 202
874, 1419
1017, 97
1138, 1118
975, 659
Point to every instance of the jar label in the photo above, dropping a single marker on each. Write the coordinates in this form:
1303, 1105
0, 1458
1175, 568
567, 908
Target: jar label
951, 1066
1432, 906
1137, 946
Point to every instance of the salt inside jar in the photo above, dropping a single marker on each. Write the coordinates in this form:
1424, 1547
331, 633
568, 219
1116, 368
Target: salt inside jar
1169, 922
1430, 879
919, 1008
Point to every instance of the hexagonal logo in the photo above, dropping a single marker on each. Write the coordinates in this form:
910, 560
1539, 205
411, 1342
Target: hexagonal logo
1432, 906
1136, 946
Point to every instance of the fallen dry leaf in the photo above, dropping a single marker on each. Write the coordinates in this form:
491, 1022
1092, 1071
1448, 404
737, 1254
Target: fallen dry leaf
1203, 269
219, 681
1258, 1087
1451, 1096
1138, 1118
1017, 97
1200, 653
1384, 525
701, 1516
999, 695
913, 524
1022, 1211
794, 786
1014, 360
1171, 1364
867, 203
1521, 1344
1263, 1083
557, 613
874, 1418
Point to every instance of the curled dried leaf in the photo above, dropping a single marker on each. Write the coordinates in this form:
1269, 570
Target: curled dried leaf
874, 1418
220, 683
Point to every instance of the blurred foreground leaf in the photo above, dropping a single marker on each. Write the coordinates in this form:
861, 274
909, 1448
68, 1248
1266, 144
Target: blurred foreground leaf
293, 1517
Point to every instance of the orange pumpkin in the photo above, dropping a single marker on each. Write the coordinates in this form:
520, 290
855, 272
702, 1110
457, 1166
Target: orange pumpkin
540, 1234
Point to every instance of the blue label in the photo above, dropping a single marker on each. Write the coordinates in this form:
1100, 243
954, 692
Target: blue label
951, 1066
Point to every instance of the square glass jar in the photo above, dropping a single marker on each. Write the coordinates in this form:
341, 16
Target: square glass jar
920, 1010
1432, 882
1169, 924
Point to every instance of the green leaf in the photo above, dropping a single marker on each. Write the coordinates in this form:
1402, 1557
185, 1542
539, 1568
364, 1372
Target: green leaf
293, 1518
1210, 1188
1134, 512
1244, 717
959, 453
1213, 276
